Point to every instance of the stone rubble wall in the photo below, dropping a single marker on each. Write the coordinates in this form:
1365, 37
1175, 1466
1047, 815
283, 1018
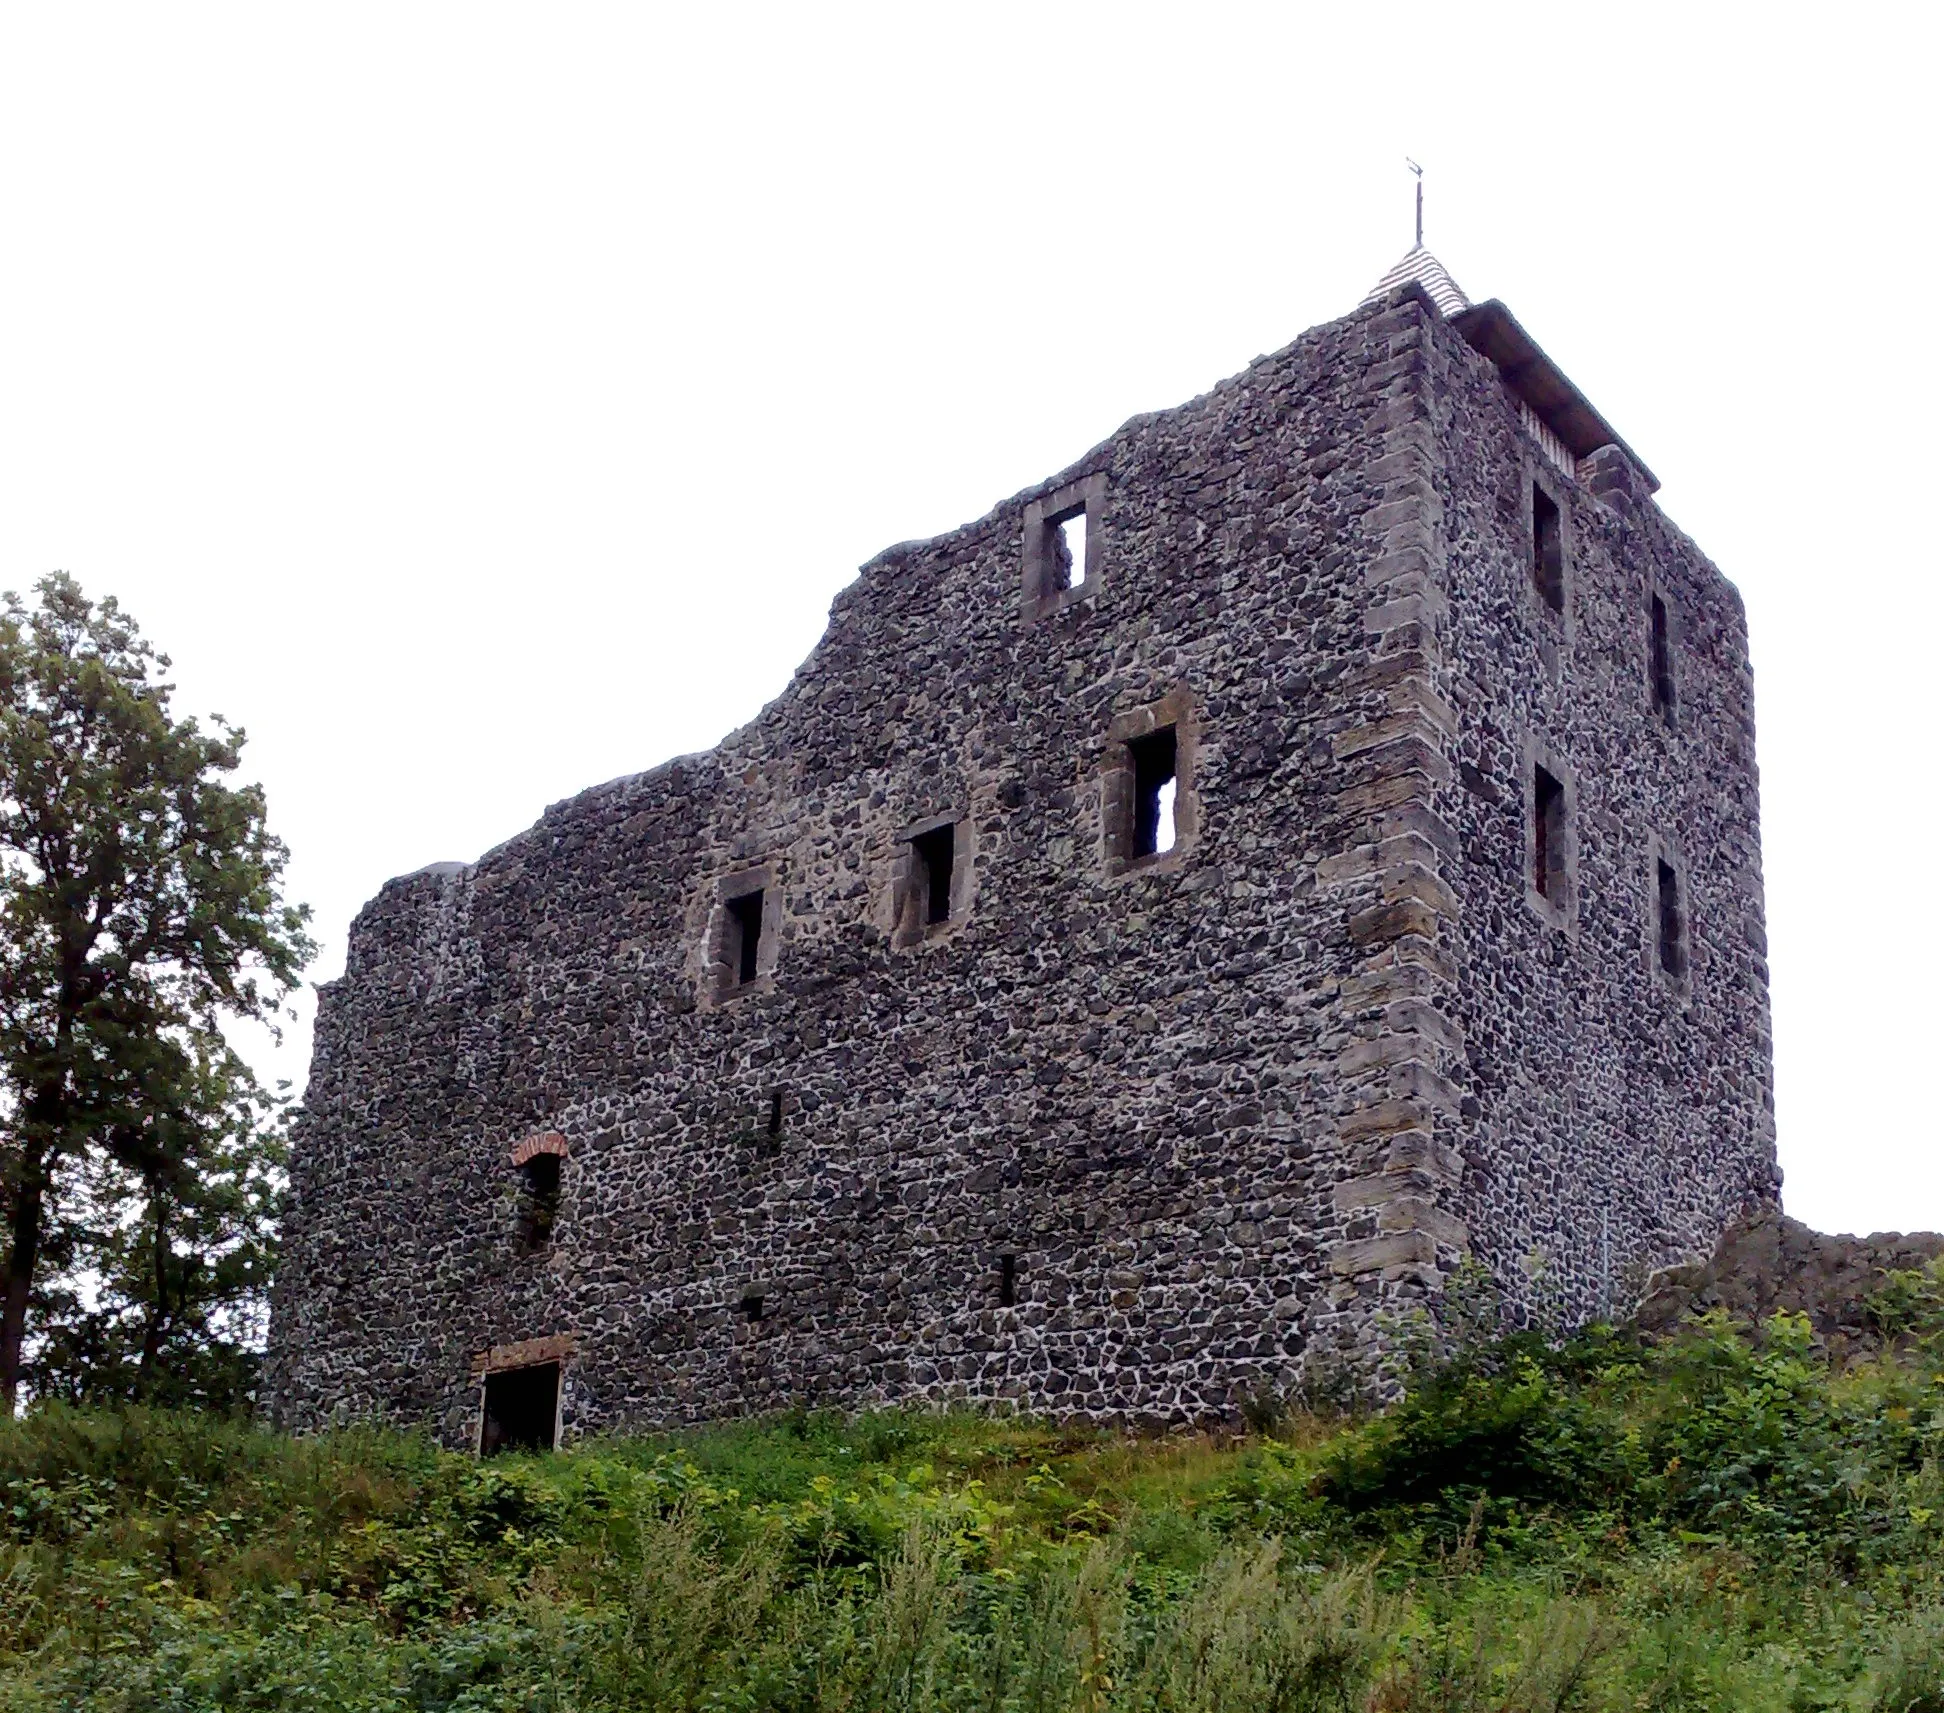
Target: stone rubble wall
1769, 1264
1231, 1110
1612, 1119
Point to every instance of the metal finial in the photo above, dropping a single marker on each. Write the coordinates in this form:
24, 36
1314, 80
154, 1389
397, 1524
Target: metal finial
1420, 198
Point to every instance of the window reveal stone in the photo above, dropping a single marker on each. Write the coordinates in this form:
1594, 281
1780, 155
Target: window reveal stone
1067, 551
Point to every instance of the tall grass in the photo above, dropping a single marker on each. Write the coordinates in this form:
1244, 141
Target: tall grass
1716, 1523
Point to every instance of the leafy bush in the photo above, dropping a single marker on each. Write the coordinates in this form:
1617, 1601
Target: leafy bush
1910, 1676
1718, 1521
1505, 1425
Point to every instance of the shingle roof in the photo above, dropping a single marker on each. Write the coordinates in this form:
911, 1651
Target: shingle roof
1420, 265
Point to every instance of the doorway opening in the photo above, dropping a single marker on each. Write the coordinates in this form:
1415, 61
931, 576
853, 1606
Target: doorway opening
521, 1410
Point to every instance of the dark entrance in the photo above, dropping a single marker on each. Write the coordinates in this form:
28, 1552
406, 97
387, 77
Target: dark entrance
521, 1405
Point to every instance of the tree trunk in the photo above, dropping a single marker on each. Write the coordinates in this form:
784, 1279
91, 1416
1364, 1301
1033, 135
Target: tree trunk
22, 1250
158, 1309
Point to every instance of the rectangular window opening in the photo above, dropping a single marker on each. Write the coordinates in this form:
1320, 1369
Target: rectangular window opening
1008, 1281
1548, 836
522, 1407
751, 1306
1066, 556
540, 1201
1061, 547
931, 878
745, 935
775, 1127
1660, 659
1673, 930
1548, 550
1153, 758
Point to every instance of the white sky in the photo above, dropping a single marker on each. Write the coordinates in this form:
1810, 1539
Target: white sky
479, 402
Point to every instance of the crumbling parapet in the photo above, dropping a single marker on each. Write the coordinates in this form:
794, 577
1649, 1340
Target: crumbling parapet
1770, 1264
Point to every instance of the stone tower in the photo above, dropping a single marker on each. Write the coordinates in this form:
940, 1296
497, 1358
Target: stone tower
1162, 925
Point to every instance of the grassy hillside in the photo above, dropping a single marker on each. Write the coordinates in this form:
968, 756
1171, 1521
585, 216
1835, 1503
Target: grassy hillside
1717, 1522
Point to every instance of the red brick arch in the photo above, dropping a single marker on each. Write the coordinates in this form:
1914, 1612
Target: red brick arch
541, 1142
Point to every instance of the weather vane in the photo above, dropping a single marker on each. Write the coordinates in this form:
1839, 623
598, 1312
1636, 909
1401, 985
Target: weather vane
1420, 198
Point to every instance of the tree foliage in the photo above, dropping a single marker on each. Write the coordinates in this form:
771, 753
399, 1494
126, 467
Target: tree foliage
140, 911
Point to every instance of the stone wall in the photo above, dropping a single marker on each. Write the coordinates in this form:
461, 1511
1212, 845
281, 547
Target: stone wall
1614, 1115
1771, 1265
1222, 1107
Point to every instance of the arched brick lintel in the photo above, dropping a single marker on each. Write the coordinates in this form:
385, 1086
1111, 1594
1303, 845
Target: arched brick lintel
545, 1142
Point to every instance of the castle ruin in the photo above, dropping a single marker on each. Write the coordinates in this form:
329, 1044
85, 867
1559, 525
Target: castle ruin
1164, 926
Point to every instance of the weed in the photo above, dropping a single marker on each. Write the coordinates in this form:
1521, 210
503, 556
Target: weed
1715, 1521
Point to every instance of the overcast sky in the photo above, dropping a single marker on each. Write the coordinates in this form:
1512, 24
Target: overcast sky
479, 402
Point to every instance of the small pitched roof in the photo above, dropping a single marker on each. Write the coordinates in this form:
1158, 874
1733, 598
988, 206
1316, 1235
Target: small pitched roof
1490, 329
1420, 266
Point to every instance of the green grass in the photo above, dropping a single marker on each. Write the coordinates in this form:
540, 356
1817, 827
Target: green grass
1717, 1522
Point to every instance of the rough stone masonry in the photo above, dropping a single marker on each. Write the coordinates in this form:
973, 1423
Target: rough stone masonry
1162, 929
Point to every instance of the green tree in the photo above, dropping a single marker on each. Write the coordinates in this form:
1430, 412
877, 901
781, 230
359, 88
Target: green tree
178, 1248
140, 909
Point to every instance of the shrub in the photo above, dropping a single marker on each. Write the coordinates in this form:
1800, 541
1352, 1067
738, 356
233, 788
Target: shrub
1910, 1676
1502, 1424
1718, 1521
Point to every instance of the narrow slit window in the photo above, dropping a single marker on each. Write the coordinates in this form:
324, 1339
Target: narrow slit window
1548, 550
521, 1409
1660, 659
745, 935
1008, 1281
1672, 920
1548, 836
1154, 759
931, 874
1066, 559
539, 1201
775, 1127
